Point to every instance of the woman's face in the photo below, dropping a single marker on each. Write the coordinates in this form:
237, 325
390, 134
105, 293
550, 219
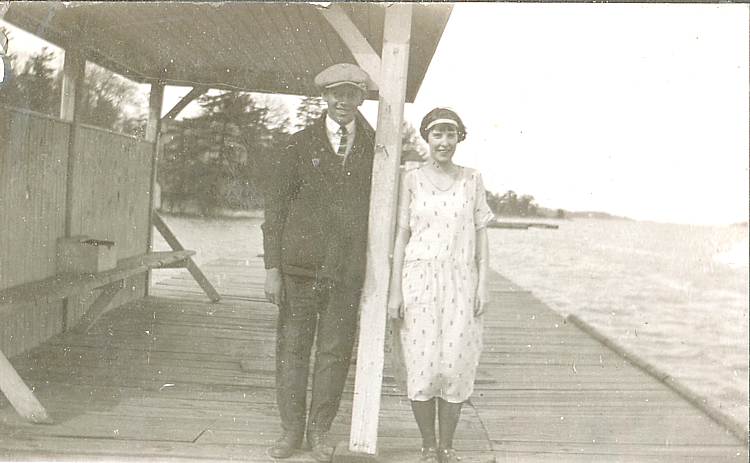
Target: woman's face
442, 139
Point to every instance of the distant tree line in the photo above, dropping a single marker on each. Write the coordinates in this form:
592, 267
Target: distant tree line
36, 85
509, 204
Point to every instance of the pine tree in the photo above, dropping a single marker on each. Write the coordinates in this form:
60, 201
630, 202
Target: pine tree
219, 158
309, 110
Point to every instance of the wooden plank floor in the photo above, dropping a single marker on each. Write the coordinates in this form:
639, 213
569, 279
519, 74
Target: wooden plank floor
161, 380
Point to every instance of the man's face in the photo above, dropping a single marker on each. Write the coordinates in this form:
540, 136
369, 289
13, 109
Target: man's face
343, 102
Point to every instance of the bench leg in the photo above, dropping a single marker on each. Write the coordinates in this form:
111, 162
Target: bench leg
190, 264
199, 277
19, 395
100, 304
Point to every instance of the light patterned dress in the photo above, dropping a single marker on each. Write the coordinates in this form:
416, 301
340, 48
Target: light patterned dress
440, 336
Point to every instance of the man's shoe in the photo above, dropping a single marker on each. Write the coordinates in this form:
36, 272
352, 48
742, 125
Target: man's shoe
285, 445
321, 450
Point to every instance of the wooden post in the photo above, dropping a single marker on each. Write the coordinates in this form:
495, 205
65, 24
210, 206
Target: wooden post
370, 357
153, 127
155, 102
74, 71
74, 68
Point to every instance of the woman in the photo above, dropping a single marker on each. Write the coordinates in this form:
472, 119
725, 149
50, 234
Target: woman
439, 282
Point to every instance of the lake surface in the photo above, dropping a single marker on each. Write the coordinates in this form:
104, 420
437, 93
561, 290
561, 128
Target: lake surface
676, 295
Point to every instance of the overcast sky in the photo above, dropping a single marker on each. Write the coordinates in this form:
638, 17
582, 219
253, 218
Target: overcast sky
638, 110
634, 109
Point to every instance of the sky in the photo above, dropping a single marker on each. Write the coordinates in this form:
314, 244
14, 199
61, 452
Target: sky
638, 110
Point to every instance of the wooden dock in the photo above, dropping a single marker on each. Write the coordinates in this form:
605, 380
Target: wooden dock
160, 380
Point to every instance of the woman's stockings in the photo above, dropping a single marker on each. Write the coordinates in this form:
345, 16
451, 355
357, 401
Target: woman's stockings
448, 414
424, 413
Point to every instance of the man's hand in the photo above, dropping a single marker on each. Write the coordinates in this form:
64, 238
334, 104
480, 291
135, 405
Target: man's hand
396, 304
274, 288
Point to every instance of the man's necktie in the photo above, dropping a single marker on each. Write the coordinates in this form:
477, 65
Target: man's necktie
344, 141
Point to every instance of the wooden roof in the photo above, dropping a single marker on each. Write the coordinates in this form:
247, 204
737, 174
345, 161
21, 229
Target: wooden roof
264, 47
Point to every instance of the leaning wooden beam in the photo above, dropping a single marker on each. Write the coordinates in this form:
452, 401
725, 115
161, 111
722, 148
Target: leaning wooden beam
186, 100
192, 267
363, 53
368, 382
100, 305
19, 395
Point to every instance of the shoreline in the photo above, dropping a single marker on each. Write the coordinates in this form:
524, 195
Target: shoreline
258, 214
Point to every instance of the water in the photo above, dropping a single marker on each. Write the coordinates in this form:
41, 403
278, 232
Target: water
676, 295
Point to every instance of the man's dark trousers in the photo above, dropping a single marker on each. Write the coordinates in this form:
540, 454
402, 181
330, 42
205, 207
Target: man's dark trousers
334, 311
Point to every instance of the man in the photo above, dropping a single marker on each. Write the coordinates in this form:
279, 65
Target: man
315, 239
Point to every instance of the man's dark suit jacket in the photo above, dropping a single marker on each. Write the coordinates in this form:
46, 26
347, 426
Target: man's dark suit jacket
316, 209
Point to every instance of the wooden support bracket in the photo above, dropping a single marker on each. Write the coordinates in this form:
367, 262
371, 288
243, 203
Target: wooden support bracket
100, 305
19, 395
186, 100
361, 49
190, 264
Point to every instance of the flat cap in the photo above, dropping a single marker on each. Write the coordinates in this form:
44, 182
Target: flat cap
342, 74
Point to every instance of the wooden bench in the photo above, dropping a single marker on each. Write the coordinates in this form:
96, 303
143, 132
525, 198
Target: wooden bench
64, 285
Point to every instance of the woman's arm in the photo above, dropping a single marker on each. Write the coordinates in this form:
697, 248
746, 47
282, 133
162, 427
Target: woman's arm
395, 293
483, 263
403, 233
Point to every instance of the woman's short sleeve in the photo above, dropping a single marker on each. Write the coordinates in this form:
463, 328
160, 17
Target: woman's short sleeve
482, 212
406, 192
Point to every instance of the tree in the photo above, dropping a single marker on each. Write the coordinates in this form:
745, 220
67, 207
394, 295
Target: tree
36, 86
508, 203
309, 109
106, 99
494, 202
526, 206
412, 146
219, 158
106, 96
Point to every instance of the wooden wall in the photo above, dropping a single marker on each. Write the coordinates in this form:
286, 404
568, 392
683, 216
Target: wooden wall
110, 200
111, 178
33, 165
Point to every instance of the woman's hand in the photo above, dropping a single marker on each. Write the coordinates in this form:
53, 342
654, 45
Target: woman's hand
273, 287
482, 299
396, 303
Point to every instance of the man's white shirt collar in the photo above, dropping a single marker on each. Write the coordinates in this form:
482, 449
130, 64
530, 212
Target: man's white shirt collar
333, 126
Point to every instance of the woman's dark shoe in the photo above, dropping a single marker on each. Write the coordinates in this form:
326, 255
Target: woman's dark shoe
285, 446
448, 456
321, 451
428, 455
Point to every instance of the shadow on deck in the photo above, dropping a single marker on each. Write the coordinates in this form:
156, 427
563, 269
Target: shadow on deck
161, 379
